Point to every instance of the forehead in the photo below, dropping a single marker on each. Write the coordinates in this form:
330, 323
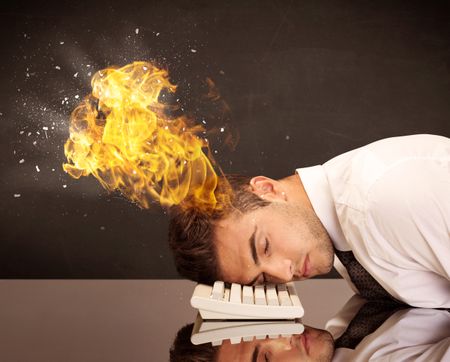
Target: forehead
232, 236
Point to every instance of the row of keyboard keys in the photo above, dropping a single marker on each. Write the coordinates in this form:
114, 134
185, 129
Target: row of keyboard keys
281, 294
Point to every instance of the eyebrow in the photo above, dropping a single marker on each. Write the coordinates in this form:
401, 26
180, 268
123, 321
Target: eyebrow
252, 242
255, 354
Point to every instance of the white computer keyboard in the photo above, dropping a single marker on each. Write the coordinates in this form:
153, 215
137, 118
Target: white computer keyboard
247, 302
216, 332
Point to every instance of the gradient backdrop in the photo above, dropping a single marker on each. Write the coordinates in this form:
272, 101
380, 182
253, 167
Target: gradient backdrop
304, 80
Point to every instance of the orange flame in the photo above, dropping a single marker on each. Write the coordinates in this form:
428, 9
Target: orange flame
122, 135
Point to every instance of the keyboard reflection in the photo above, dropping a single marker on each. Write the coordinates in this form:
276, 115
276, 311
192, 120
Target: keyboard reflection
361, 331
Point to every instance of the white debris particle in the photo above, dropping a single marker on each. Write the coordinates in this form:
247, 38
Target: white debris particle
194, 50
77, 96
221, 72
37, 132
34, 144
288, 138
102, 228
204, 122
21, 132
53, 170
38, 169
16, 195
62, 102
216, 152
28, 75
58, 67
64, 186
137, 31
157, 34
29, 134
21, 161
66, 98
89, 74
14, 152
145, 68
75, 75
88, 65
222, 129
61, 42
45, 128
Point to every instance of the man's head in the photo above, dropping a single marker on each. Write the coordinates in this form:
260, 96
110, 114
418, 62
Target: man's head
268, 233
312, 345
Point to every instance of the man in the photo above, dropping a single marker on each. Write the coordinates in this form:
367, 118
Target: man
312, 345
383, 209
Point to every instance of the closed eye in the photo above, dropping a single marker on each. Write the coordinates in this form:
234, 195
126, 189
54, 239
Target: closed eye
266, 247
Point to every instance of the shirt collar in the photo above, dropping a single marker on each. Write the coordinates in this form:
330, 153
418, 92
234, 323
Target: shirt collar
318, 190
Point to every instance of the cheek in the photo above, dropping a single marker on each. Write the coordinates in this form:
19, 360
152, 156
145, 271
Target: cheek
292, 355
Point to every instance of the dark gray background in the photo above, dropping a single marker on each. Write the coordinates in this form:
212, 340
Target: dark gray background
305, 81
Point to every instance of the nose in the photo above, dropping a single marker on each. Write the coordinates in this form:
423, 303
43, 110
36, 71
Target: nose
280, 271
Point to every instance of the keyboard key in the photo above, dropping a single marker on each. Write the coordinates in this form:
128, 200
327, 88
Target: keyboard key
247, 295
283, 295
236, 294
235, 340
293, 295
226, 295
271, 295
218, 290
260, 296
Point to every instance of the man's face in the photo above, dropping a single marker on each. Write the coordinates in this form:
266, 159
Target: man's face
312, 345
274, 244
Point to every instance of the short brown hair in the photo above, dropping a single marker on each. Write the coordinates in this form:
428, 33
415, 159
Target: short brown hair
183, 350
191, 231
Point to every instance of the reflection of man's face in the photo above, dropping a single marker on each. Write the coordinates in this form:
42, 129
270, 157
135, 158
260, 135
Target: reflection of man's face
276, 244
312, 345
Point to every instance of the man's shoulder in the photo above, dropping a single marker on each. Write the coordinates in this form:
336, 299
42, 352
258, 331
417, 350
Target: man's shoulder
353, 175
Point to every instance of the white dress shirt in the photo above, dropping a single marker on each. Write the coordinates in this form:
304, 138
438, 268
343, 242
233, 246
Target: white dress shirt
389, 202
408, 335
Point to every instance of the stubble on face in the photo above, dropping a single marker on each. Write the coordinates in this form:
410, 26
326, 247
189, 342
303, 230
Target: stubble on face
313, 229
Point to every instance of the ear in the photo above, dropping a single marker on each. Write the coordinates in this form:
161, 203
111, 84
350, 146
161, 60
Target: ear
267, 188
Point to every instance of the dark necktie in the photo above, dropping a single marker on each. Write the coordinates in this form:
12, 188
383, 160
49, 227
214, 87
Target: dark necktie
371, 316
367, 286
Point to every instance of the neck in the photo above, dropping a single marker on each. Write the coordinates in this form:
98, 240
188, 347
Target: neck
295, 192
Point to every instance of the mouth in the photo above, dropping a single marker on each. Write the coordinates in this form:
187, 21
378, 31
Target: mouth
305, 342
